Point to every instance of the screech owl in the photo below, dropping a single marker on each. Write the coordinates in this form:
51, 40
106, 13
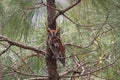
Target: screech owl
55, 44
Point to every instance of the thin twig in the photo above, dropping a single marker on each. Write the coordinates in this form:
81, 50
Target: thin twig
25, 74
94, 39
7, 48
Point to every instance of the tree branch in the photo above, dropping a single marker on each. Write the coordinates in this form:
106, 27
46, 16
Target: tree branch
3, 38
5, 50
91, 43
64, 10
26, 74
61, 12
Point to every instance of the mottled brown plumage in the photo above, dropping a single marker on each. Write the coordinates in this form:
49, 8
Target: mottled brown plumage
55, 44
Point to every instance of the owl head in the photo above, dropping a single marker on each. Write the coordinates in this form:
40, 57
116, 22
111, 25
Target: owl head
53, 34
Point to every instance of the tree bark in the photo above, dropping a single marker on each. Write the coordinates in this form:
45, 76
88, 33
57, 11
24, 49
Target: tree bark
51, 14
50, 61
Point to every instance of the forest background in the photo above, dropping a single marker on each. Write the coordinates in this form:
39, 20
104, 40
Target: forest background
90, 32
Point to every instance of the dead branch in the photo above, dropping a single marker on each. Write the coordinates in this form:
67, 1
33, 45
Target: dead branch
64, 10
13, 43
7, 48
25, 74
88, 72
92, 42
23, 60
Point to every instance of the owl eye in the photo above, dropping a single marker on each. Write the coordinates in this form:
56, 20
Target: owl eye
51, 34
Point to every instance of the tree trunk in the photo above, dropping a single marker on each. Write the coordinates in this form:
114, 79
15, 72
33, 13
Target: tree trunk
50, 61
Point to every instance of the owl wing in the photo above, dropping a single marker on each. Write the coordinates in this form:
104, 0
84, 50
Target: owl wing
60, 51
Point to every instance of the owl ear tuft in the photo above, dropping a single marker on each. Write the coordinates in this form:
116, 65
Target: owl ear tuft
58, 31
48, 30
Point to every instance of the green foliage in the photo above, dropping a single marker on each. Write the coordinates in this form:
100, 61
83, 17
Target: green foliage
17, 19
98, 35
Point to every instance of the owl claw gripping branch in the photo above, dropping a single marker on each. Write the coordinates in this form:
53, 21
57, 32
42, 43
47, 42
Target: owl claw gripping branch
55, 44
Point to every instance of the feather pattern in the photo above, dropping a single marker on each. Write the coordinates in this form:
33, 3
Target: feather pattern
55, 45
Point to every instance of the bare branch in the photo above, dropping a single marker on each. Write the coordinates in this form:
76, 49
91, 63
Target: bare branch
23, 60
5, 50
61, 12
92, 42
49, 6
71, 6
26, 74
64, 10
88, 72
72, 20
3, 38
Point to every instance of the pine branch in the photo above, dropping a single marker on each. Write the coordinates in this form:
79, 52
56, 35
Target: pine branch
13, 43
65, 10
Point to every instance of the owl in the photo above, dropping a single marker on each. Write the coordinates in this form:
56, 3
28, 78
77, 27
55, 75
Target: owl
55, 45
